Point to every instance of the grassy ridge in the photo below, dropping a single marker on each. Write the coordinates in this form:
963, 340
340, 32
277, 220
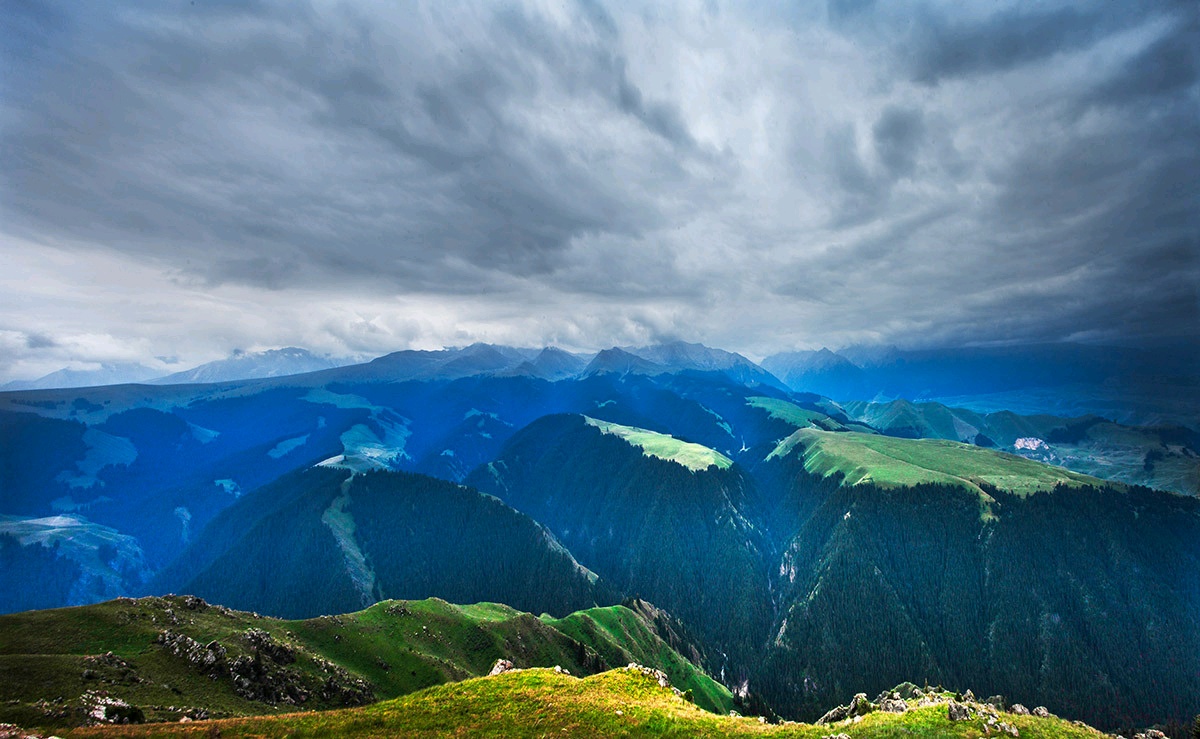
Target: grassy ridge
695, 457
620, 636
794, 415
537, 703
889, 461
397, 647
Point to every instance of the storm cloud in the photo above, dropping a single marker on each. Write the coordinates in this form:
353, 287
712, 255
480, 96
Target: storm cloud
186, 178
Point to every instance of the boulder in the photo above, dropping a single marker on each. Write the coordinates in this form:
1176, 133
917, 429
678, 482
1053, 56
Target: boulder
859, 706
502, 666
1040, 712
1018, 709
956, 711
893, 705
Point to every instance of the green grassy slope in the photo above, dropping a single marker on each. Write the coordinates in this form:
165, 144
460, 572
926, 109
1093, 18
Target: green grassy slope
889, 461
1162, 457
695, 457
797, 417
539, 703
392, 648
621, 636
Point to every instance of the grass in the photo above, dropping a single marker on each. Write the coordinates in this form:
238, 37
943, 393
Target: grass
888, 461
695, 457
542, 703
398, 647
620, 636
794, 415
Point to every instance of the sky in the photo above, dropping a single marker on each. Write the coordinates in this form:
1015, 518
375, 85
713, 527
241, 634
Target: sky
179, 180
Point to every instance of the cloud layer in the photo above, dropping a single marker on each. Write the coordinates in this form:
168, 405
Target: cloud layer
186, 178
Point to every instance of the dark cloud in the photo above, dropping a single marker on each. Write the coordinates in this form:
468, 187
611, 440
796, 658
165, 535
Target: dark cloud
285, 132
898, 135
945, 48
365, 177
40, 341
1167, 67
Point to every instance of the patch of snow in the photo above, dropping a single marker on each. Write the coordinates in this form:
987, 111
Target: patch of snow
201, 434
287, 445
229, 486
103, 450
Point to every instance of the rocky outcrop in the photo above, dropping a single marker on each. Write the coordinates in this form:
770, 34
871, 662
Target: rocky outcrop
263, 644
1018, 710
103, 708
206, 658
502, 666
956, 711
859, 706
263, 674
893, 705
657, 675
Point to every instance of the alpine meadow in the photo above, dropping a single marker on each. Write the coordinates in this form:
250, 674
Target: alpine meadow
588, 368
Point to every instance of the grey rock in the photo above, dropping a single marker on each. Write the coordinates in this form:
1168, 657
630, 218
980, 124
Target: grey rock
956, 711
1018, 709
1040, 712
893, 705
502, 666
859, 706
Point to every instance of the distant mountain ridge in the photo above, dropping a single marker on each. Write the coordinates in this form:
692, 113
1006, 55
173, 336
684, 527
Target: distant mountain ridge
254, 365
106, 374
1130, 385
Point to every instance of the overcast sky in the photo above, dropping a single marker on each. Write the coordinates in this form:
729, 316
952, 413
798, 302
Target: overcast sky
182, 179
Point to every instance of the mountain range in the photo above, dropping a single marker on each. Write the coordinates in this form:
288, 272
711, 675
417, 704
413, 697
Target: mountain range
802, 549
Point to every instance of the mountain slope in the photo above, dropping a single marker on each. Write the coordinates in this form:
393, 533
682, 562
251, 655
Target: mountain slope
892, 462
352, 541
823, 372
174, 656
1162, 457
662, 530
1043, 599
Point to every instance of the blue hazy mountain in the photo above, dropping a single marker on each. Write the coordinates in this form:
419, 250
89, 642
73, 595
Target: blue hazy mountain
106, 374
1132, 385
252, 365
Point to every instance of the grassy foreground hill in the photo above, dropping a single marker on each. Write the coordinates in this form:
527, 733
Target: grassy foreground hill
161, 659
620, 702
